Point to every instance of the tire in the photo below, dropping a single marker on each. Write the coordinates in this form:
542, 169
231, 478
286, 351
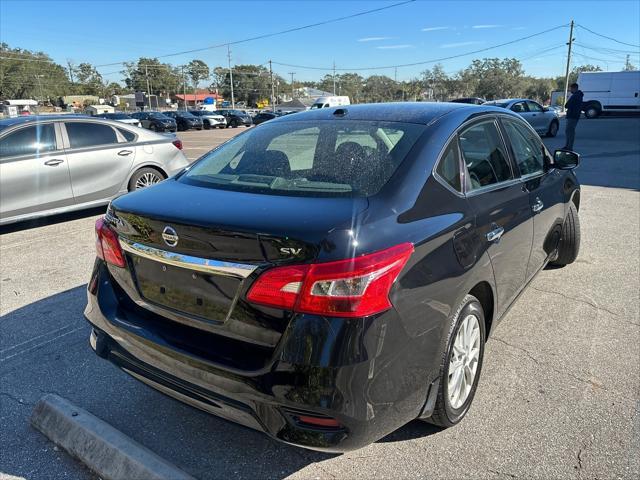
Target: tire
592, 111
449, 411
207, 125
569, 245
553, 129
234, 124
145, 177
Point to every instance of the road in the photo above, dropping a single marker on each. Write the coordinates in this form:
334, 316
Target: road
559, 396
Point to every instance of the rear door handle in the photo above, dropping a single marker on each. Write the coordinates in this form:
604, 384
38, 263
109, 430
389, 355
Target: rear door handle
537, 206
495, 234
124, 153
53, 162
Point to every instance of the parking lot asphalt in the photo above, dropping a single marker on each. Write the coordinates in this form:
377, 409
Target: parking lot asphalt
559, 395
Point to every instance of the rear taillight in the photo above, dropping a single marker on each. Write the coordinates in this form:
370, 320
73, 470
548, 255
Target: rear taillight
178, 144
354, 287
107, 244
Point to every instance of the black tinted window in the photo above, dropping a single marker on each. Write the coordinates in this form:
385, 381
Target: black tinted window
129, 136
527, 149
354, 158
32, 140
484, 155
83, 134
449, 168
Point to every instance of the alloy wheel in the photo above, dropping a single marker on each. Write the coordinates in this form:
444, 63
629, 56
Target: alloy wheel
463, 361
147, 179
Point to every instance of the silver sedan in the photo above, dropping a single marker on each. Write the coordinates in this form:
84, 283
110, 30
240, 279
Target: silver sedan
54, 164
544, 120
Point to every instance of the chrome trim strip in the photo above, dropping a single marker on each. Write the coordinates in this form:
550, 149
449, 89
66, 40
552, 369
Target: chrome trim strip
206, 265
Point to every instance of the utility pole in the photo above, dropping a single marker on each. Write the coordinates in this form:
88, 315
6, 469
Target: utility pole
184, 88
233, 100
273, 97
334, 77
566, 74
146, 74
292, 90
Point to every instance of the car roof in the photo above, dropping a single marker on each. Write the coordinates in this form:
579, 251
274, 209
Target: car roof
423, 113
8, 122
509, 100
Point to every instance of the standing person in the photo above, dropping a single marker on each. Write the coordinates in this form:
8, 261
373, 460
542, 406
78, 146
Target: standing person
574, 108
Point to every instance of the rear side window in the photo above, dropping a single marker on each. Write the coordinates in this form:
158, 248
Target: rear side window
484, 155
448, 168
326, 158
85, 134
32, 140
129, 136
528, 151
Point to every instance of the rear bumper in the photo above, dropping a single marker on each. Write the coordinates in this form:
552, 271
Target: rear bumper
369, 394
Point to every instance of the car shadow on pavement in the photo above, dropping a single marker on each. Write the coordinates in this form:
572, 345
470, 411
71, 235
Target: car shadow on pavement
45, 349
52, 220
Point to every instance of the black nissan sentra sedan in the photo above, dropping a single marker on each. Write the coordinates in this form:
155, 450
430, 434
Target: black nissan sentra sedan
332, 275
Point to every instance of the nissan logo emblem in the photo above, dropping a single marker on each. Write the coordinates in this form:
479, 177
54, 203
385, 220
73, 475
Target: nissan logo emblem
170, 236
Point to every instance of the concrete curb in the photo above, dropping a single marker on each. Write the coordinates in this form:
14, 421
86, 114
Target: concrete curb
102, 448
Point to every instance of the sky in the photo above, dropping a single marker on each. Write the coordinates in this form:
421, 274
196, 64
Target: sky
101, 32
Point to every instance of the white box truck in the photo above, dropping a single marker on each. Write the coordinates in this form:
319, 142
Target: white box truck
609, 92
325, 102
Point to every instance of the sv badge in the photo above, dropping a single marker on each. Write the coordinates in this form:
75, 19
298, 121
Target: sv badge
290, 251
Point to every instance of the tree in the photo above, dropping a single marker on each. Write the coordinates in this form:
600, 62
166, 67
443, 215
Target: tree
25, 74
378, 88
197, 71
163, 77
628, 66
251, 83
496, 78
88, 80
539, 88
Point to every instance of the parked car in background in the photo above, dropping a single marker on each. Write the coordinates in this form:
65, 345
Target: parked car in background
264, 117
156, 121
58, 163
185, 120
609, 92
350, 281
544, 120
210, 119
469, 100
236, 118
120, 117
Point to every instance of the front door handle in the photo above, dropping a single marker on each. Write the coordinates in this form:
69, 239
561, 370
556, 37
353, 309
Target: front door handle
537, 206
495, 234
53, 162
124, 153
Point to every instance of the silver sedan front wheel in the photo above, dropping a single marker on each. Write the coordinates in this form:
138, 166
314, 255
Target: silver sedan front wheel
463, 361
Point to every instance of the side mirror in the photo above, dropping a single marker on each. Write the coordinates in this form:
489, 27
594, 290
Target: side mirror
565, 159
545, 109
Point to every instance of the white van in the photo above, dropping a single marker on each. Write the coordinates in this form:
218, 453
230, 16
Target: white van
610, 92
325, 102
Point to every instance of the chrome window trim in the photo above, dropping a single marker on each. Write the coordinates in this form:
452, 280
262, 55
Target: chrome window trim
206, 265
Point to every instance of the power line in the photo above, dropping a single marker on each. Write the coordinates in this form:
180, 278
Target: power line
385, 67
273, 34
608, 38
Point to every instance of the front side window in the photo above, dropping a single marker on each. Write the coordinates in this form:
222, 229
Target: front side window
528, 151
534, 107
326, 158
31, 140
448, 168
484, 155
85, 134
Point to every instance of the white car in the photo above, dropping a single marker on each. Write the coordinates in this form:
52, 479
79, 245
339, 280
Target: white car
210, 119
121, 117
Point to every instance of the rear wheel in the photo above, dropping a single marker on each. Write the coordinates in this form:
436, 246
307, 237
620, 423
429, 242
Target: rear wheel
593, 110
569, 245
553, 129
461, 364
145, 177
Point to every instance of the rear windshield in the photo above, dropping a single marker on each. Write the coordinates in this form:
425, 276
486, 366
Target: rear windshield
321, 158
